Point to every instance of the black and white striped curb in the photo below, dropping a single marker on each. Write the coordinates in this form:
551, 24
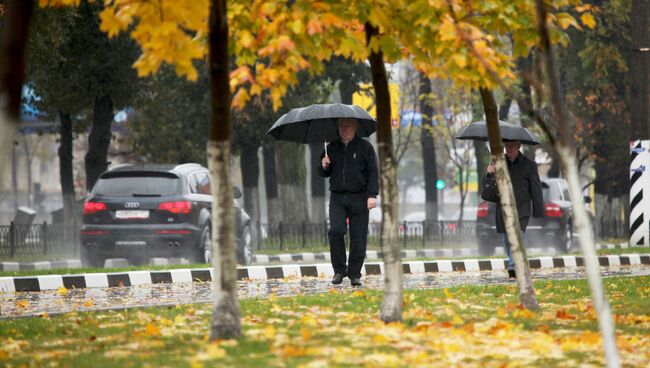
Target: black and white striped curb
413, 253
288, 258
53, 282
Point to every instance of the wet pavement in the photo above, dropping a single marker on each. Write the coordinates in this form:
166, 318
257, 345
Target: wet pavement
23, 304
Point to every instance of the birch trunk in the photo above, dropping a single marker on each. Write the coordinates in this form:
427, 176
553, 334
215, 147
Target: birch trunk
566, 151
225, 315
391, 305
226, 321
508, 203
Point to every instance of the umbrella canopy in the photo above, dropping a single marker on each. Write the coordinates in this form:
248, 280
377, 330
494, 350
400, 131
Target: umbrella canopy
317, 123
509, 132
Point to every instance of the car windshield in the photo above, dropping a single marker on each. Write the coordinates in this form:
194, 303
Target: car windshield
137, 186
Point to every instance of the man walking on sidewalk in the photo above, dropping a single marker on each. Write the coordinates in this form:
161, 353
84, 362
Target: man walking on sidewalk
527, 188
351, 164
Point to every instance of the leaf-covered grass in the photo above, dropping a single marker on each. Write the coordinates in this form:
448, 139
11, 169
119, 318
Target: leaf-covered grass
463, 326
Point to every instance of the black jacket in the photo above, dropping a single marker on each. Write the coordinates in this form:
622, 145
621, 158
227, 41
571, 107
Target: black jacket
527, 187
353, 168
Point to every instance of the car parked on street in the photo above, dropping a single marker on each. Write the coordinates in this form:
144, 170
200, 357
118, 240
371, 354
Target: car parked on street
554, 230
143, 211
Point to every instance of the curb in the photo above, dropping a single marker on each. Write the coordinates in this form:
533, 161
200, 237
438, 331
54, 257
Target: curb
412, 253
94, 280
288, 257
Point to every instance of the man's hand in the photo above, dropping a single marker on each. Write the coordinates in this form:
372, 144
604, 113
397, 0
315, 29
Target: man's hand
490, 168
325, 162
372, 203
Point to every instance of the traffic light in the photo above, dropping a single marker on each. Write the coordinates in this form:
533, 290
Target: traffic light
440, 184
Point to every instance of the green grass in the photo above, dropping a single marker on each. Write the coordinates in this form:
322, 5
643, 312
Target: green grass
463, 326
633, 250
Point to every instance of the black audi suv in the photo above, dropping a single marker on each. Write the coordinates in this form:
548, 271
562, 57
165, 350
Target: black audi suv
554, 230
143, 211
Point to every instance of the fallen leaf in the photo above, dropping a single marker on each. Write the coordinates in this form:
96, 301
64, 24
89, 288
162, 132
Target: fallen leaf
22, 304
152, 330
62, 291
89, 303
448, 294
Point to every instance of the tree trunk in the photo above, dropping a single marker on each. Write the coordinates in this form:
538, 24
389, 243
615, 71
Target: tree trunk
291, 174
14, 175
504, 109
99, 139
428, 150
66, 172
508, 203
640, 69
29, 159
250, 172
271, 185
317, 185
226, 321
12, 71
391, 305
565, 147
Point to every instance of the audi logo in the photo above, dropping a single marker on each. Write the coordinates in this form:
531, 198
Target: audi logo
132, 205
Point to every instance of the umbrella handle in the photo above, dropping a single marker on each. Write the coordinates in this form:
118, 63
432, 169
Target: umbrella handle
325, 145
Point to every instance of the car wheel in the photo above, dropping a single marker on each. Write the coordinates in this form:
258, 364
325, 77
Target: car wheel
245, 246
202, 251
565, 241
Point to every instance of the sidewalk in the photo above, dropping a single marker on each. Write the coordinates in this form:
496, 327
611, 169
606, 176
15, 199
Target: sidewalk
322, 270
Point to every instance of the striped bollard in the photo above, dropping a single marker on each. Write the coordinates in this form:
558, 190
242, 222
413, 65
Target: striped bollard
640, 201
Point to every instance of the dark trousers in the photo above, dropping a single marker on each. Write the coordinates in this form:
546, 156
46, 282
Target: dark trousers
354, 207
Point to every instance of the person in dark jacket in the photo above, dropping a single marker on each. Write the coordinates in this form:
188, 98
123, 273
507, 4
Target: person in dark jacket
351, 164
528, 193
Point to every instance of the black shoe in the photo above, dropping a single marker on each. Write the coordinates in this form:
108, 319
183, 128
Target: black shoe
338, 278
355, 281
512, 274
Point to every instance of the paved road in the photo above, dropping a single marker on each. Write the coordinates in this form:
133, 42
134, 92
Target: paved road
51, 302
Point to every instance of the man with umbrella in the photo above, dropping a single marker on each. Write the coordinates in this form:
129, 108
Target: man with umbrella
527, 188
524, 176
351, 164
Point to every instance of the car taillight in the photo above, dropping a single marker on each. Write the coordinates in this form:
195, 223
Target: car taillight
176, 207
552, 210
482, 210
94, 207
94, 232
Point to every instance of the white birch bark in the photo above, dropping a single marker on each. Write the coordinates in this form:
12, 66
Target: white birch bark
592, 267
511, 221
226, 321
391, 304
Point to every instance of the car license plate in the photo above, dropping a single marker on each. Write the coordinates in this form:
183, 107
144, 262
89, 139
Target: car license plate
130, 243
131, 214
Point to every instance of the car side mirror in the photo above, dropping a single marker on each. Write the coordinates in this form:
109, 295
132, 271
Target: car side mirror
236, 193
587, 199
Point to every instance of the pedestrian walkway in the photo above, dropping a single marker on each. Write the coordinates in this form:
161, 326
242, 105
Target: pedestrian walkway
321, 270
292, 257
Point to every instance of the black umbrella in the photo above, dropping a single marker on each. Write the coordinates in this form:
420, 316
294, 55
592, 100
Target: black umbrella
317, 123
509, 132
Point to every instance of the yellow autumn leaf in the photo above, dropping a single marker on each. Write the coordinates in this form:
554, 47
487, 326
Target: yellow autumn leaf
215, 351
62, 291
152, 330
448, 294
22, 304
270, 332
89, 303
588, 20
305, 333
